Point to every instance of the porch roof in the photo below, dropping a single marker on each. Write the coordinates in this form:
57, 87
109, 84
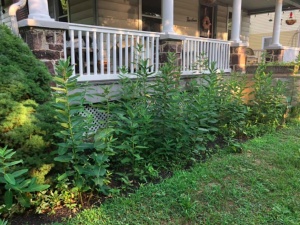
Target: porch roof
264, 6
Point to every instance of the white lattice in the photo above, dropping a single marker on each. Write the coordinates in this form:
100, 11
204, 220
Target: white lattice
99, 118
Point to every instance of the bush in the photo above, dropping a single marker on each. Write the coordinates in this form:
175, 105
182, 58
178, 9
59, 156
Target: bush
24, 91
267, 103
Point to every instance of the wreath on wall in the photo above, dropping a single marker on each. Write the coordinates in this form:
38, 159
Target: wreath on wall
206, 23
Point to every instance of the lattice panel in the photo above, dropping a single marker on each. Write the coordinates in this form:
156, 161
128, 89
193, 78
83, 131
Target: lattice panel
100, 118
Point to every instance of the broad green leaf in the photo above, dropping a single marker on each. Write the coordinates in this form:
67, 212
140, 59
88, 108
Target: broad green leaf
36, 187
63, 158
62, 177
24, 183
9, 153
10, 179
65, 125
19, 172
98, 181
8, 198
58, 79
13, 163
59, 89
62, 150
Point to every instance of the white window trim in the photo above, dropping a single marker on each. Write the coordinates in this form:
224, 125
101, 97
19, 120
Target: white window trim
263, 41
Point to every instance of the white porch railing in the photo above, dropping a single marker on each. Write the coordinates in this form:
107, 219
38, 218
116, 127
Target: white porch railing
196, 49
98, 53
260, 54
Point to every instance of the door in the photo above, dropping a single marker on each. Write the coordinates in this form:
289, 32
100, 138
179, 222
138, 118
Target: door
207, 13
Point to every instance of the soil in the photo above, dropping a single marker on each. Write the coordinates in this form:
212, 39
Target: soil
30, 218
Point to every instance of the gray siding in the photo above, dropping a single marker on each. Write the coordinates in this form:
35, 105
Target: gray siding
245, 26
182, 10
82, 11
118, 13
222, 17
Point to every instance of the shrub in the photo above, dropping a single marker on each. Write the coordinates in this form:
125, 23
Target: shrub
267, 105
24, 90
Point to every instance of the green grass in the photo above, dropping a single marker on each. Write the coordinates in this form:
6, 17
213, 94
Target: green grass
259, 186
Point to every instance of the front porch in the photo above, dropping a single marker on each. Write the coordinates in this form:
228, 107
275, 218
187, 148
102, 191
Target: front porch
98, 52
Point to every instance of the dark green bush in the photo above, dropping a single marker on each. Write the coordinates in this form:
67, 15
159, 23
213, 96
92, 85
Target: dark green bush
26, 122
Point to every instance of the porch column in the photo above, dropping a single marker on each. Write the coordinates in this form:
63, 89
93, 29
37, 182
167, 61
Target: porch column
277, 24
38, 10
236, 21
168, 16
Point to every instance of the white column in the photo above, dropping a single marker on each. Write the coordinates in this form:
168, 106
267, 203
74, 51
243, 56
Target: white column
236, 21
277, 25
168, 16
38, 10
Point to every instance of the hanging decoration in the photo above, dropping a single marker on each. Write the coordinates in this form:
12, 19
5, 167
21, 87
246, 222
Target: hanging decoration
270, 16
291, 20
206, 21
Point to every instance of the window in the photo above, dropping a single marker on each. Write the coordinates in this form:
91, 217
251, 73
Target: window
151, 15
266, 41
58, 9
229, 25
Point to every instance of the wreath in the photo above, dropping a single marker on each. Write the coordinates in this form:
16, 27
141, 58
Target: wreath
206, 23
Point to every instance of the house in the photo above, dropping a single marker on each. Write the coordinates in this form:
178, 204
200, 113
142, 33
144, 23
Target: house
101, 36
261, 28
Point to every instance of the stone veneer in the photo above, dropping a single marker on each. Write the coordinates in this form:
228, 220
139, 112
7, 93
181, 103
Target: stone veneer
238, 58
166, 46
46, 44
274, 55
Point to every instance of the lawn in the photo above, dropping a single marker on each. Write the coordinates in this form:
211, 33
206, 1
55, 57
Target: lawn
258, 186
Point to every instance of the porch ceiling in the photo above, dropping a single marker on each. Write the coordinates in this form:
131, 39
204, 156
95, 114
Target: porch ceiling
264, 6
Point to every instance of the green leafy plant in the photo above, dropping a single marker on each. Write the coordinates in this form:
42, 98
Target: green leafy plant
16, 186
3, 222
24, 89
266, 106
85, 164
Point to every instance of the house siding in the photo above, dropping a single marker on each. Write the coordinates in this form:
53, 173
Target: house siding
287, 38
222, 18
118, 13
82, 12
245, 27
261, 27
182, 10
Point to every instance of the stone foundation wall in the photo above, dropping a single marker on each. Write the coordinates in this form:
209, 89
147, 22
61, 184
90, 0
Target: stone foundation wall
238, 58
274, 55
166, 46
46, 44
